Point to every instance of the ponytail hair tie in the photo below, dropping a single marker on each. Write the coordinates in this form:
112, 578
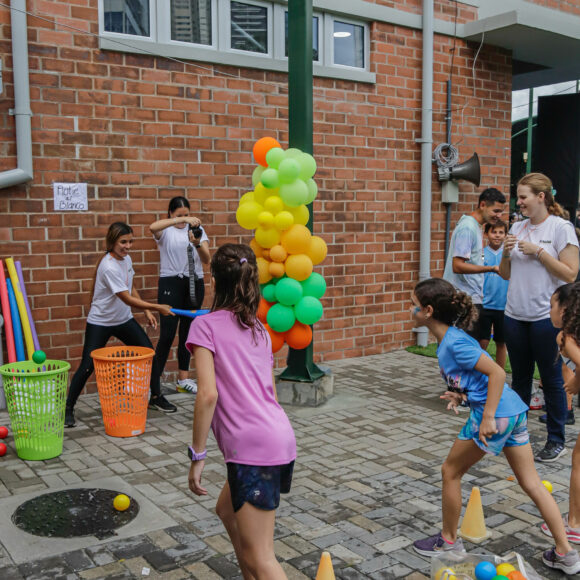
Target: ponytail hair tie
554, 192
242, 260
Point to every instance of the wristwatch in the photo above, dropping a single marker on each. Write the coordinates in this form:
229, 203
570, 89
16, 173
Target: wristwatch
196, 456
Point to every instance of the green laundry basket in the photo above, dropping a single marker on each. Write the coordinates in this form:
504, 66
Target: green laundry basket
35, 398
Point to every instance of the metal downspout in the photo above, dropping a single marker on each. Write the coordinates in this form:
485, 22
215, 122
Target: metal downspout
426, 155
22, 112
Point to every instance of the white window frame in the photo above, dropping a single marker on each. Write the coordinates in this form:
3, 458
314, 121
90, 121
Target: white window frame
152, 24
226, 26
330, 19
164, 20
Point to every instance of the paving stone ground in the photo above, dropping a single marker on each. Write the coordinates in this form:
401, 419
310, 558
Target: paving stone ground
367, 484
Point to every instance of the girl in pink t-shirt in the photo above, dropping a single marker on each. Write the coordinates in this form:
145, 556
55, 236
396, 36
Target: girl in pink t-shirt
237, 398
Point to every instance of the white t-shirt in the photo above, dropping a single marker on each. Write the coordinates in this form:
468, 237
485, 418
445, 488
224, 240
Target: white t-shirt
113, 276
531, 285
172, 245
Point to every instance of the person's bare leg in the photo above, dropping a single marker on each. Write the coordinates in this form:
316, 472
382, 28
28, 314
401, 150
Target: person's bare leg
500, 354
574, 510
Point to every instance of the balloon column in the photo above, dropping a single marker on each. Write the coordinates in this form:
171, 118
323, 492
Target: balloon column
285, 249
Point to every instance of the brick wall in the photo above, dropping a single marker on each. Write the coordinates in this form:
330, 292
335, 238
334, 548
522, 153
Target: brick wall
140, 130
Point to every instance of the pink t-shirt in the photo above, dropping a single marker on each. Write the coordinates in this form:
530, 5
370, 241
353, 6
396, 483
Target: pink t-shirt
249, 425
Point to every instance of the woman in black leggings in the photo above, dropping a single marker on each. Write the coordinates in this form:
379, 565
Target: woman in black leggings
113, 295
183, 248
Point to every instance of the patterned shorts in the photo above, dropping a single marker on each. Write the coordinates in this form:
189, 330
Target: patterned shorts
259, 485
512, 431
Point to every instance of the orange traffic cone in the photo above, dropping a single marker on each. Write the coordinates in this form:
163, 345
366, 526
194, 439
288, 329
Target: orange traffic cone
473, 526
325, 569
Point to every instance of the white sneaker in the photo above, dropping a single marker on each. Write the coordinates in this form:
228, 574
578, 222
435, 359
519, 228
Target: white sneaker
187, 386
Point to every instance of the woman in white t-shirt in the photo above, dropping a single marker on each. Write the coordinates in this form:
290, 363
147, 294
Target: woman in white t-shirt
540, 254
183, 245
113, 296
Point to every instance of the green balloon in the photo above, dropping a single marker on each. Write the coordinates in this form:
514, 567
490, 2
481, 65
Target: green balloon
281, 318
274, 157
269, 292
288, 291
270, 178
308, 310
294, 194
257, 175
288, 170
312, 190
292, 153
314, 285
307, 166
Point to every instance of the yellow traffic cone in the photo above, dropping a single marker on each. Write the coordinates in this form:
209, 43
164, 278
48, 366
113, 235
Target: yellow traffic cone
473, 526
325, 569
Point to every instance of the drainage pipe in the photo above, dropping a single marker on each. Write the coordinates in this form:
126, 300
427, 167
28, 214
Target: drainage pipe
22, 112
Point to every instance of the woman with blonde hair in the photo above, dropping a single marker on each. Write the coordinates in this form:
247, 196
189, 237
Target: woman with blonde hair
540, 254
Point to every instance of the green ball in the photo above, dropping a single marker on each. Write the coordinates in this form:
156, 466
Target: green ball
281, 318
38, 357
274, 157
308, 310
288, 170
257, 174
307, 166
288, 291
269, 292
294, 194
270, 178
314, 285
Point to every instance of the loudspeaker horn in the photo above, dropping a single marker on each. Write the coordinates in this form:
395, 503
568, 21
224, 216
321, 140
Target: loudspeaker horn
469, 170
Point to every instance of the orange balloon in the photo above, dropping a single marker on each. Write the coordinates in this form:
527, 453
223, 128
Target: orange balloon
278, 253
296, 239
516, 575
317, 250
266, 254
264, 275
257, 249
298, 266
261, 147
299, 336
276, 269
277, 338
263, 308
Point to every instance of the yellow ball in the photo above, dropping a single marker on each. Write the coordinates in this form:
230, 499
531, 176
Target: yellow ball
548, 485
278, 253
296, 240
445, 574
301, 214
283, 220
247, 214
247, 197
274, 204
298, 266
264, 275
276, 269
265, 219
267, 238
504, 569
317, 250
121, 502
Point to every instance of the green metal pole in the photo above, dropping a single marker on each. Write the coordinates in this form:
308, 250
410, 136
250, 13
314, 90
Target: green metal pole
301, 366
530, 129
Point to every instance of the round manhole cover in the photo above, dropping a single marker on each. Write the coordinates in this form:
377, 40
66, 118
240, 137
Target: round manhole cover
74, 513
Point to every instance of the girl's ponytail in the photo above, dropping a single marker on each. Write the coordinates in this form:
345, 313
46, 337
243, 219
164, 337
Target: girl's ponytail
466, 312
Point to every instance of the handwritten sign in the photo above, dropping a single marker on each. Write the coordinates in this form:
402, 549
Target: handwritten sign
70, 197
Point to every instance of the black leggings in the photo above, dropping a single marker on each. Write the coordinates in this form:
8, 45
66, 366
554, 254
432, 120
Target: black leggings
174, 291
130, 333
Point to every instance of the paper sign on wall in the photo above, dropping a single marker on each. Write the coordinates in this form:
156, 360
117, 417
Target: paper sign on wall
70, 197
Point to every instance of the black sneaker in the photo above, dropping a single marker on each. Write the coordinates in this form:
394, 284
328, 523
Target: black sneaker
552, 451
570, 419
69, 417
162, 404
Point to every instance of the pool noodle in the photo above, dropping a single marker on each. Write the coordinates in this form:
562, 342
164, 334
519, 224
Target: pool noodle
189, 313
28, 311
17, 329
21, 307
10, 348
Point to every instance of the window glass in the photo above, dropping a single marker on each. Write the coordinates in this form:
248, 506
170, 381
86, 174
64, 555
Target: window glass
191, 21
349, 44
127, 17
249, 27
314, 36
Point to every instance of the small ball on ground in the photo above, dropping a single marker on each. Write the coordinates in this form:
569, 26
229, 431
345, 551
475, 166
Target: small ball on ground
121, 502
548, 485
3, 449
3, 432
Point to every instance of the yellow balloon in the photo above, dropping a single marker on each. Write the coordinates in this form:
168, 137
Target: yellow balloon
548, 485
278, 253
274, 204
298, 266
267, 238
121, 502
296, 240
247, 197
276, 269
264, 275
301, 214
261, 193
317, 250
247, 214
256, 248
504, 569
265, 219
283, 220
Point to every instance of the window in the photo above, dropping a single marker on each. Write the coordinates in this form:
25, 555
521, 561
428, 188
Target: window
249, 27
349, 44
191, 21
315, 25
127, 16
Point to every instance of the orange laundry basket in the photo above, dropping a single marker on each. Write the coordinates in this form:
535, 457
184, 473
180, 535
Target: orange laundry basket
123, 374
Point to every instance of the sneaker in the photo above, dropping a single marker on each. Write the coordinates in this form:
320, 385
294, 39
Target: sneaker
437, 544
69, 417
570, 419
569, 563
573, 534
162, 404
551, 451
187, 386
537, 400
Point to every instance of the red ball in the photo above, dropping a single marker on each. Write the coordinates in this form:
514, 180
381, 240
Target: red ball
3, 449
3, 432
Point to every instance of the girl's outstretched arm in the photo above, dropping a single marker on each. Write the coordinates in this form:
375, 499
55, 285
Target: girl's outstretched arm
134, 300
495, 384
205, 402
571, 349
